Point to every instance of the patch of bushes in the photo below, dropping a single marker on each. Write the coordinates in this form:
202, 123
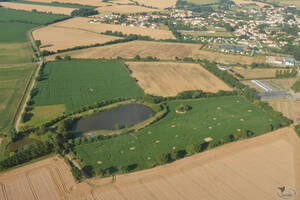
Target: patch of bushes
296, 86
84, 12
30, 153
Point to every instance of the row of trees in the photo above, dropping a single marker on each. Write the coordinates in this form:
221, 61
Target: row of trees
132, 36
286, 73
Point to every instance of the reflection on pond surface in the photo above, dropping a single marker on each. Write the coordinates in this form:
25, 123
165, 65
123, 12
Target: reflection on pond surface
115, 118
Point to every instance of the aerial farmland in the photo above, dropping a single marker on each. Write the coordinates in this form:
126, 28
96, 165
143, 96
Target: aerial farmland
148, 99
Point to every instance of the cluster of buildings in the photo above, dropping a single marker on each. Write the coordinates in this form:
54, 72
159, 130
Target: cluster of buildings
280, 61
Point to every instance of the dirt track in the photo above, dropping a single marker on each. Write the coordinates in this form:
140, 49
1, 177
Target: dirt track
39, 8
168, 79
249, 169
55, 38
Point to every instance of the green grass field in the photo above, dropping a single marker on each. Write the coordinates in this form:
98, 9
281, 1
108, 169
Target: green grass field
296, 86
12, 32
12, 84
16, 57
213, 117
79, 83
56, 4
9, 15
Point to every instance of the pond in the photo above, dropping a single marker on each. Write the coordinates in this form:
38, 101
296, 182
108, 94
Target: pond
115, 118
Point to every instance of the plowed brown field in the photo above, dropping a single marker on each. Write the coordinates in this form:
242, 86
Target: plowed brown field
248, 169
55, 38
168, 79
83, 24
39, 8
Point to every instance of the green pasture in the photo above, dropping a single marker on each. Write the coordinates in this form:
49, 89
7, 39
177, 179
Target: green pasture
56, 4
213, 117
79, 83
12, 84
15, 53
13, 32
10, 15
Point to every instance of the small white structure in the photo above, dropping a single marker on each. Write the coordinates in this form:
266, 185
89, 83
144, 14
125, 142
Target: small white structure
224, 68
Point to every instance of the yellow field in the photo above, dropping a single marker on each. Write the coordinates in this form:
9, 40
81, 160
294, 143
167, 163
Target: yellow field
55, 38
39, 8
168, 79
248, 169
44, 114
288, 107
124, 9
162, 4
162, 50
239, 2
85, 2
228, 58
83, 24
249, 73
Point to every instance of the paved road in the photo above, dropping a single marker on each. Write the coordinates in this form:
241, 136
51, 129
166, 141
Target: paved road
32, 83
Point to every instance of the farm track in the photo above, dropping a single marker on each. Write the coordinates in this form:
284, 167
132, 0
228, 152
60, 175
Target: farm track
26, 96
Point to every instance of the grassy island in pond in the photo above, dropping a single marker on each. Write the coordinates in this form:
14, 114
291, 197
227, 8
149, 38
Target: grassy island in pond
209, 120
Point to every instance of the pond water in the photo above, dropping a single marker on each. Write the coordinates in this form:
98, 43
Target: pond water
115, 118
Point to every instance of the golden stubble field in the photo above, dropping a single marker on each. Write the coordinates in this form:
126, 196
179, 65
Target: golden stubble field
228, 58
239, 2
123, 9
85, 2
83, 24
161, 4
249, 73
248, 169
55, 38
288, 107
168, 79
39, 8
162, 50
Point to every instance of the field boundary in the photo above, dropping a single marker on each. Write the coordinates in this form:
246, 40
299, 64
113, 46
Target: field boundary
31, 83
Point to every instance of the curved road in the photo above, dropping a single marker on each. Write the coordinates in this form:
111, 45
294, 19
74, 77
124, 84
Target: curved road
32, 83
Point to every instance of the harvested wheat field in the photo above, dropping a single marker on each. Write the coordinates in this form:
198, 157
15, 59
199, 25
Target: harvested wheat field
55, 38
249, 73
124, 9
84, 24
39, 8
248, 169
162, 50
161, 4
240, 2
288, 107
85, 2
169, 79
228, 58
